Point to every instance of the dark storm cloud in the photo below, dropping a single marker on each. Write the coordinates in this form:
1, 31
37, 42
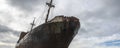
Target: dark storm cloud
26, 5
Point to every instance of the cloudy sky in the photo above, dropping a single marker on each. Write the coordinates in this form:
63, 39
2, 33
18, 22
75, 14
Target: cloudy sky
100, 26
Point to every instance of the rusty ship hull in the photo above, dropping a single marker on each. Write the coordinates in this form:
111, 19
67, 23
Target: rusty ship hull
57, 33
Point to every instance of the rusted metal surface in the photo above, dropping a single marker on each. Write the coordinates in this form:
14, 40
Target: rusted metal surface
57, 33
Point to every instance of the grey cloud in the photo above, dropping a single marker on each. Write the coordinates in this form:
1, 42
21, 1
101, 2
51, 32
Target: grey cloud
103, 21
5, 46
8, 36
26, 5
112, 2
100, 22
113, 6
4, 28
97, 24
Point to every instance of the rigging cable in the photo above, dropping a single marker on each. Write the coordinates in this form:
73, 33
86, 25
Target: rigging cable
40, 18
51, 13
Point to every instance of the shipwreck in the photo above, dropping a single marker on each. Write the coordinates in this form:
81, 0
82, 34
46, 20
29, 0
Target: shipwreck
56, 33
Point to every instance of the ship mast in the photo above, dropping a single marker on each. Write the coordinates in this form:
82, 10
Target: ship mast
50, 5
32, 24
